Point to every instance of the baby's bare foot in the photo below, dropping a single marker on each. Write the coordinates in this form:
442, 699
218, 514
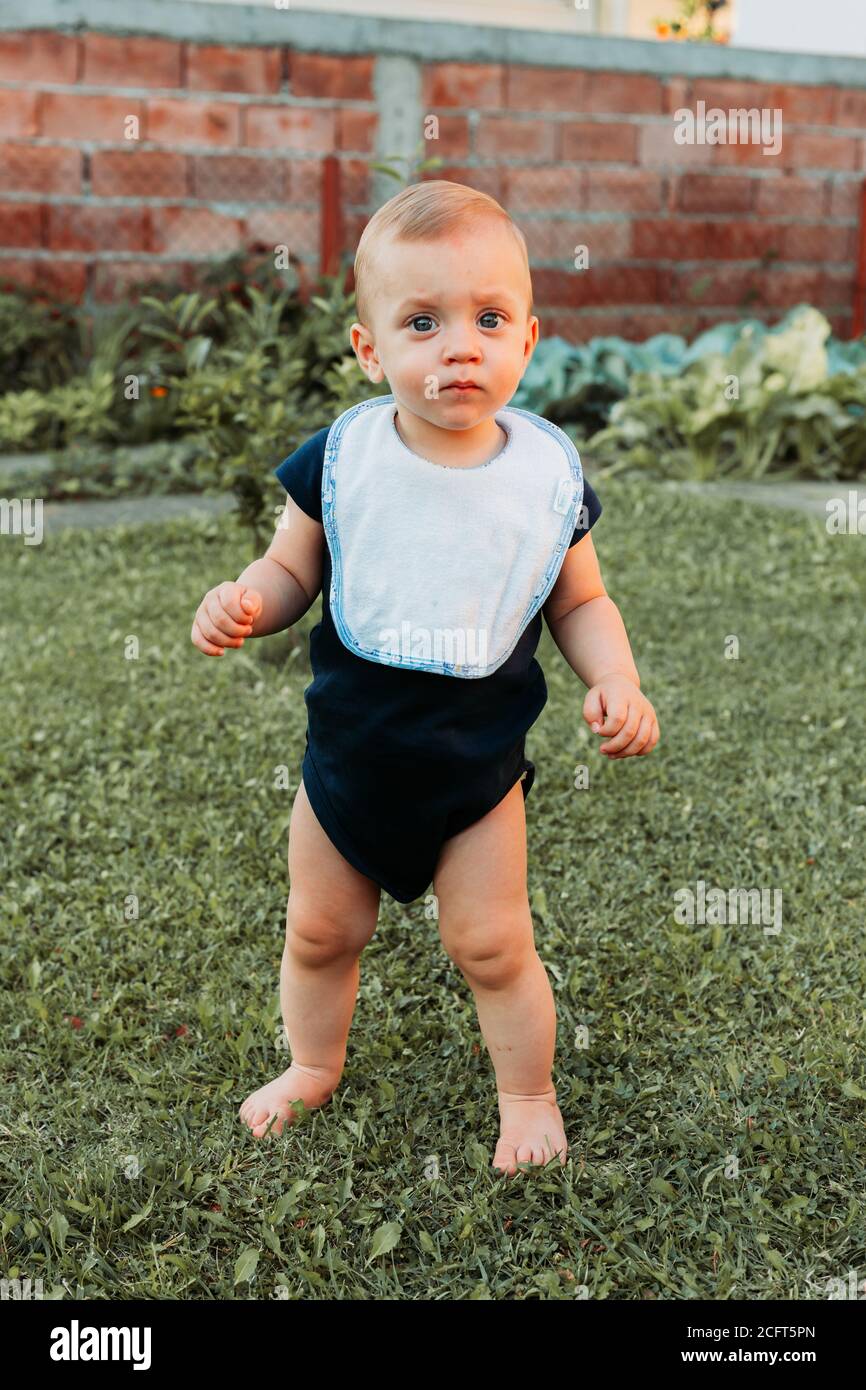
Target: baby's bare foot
312, 1085
530, 1130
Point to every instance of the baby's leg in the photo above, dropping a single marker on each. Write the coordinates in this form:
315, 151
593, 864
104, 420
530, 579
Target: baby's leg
486, 928
331, 915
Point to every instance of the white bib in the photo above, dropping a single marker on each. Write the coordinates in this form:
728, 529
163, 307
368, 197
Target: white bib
437, 568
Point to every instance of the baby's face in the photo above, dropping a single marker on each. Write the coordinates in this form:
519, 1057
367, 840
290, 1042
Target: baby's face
451, 310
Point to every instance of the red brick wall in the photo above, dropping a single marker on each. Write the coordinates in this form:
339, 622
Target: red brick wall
231, 142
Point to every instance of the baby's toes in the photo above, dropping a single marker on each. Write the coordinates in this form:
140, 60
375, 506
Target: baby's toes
258, 1123
504, 1158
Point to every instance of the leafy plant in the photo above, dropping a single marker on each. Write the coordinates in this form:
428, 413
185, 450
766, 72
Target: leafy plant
767, 405
40, 341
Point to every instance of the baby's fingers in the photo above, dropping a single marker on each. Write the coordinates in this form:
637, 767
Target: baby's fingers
223, 622
626, 733
200, 641
640, 740
229, 598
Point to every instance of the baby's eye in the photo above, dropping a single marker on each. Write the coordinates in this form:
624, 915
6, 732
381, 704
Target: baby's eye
491, 313
425, 318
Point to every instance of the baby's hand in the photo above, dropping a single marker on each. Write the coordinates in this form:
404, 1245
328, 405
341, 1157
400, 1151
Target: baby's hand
225, 616
615, 705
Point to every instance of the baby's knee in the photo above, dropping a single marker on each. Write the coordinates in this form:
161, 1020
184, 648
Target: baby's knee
316, 937
492, 955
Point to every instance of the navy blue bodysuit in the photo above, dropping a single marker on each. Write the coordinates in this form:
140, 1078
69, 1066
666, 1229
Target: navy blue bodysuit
398, 760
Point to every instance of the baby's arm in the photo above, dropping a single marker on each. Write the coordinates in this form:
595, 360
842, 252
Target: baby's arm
587, 626
289, 574
271, 594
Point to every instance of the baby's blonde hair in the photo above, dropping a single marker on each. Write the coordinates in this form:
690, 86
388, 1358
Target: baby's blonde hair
425, 211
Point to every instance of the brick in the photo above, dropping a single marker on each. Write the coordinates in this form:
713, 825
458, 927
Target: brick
732, 285
840, 322
131, 62
612, 141
622, 190
556, 239
744, 143
19, 113
748, 155
657, 148
354, 182
802, 105
490, 179
798, 103
182, 231
451, 134
780, 195
125, 281
676, 94
851, 107
838, 289
237, 177
579, 326
707, 193
82, 227
303, 128
730, 94
296, 228
672, 238
535, 189
356, 130
606, 284
20, 225
184, 121
331, 78
545, 89
64, 281
304, 180
136, 173
29, 168
79, 116
747, 241
217, 68
623, 93
468, 85
845, 197
818, 241
39, 55
804, 151
510, 138
789, 287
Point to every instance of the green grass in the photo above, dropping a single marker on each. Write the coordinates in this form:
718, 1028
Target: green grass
155, 778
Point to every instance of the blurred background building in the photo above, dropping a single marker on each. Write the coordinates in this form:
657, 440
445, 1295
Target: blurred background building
146, 140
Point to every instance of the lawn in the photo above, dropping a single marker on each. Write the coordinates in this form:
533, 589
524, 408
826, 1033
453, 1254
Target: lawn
716, 1116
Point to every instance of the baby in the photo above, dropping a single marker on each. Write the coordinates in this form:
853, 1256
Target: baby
439, 524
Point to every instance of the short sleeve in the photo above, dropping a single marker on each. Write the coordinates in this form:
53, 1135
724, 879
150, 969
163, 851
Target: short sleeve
301, 474
590, 511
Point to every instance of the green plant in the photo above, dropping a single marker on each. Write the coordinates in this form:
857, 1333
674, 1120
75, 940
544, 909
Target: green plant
40, 341
283, 373
414, 165
768, 405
